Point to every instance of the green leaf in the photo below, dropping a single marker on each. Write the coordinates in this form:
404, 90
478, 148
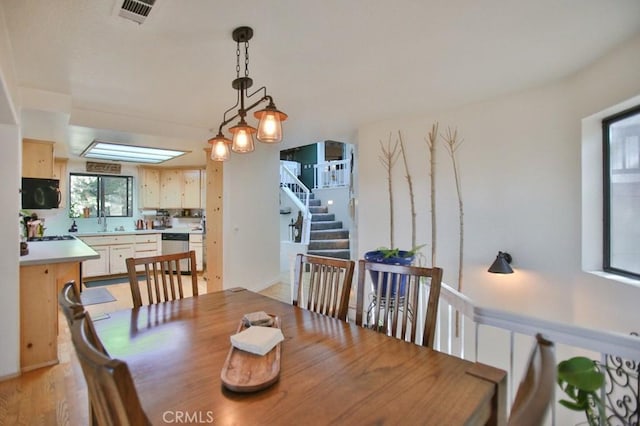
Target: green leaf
571, 405
582, 373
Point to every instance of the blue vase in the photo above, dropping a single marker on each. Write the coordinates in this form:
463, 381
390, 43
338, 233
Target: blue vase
378, 257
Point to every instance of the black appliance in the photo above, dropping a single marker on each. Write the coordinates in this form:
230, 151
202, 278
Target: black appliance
40, 193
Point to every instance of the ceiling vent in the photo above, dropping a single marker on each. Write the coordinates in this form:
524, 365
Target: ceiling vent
136, 10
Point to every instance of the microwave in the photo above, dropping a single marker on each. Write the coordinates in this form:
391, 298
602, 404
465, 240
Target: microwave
40, 193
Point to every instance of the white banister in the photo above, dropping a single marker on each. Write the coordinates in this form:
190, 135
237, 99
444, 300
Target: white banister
299, 195
605, 343
332, 174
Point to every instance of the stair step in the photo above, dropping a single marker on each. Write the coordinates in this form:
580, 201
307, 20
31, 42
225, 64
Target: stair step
338, 254
328, 224
342, 244
331, 234
318, 209
323, 217
313, 202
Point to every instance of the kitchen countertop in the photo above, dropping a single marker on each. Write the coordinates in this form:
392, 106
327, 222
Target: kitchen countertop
41, 252
181, 230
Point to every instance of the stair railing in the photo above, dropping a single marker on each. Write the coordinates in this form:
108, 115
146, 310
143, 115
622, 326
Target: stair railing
495, 331
332, 174
299, 195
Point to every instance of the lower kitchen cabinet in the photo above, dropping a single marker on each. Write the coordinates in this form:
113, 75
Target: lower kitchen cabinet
196, 244
118, 256
96, 267
115, 249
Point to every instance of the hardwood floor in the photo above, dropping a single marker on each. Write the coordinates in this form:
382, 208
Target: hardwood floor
57, 395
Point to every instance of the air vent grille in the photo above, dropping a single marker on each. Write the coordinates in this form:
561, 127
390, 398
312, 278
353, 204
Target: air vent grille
136, 10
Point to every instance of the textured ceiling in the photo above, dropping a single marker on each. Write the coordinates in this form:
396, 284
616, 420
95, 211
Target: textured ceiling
331, 65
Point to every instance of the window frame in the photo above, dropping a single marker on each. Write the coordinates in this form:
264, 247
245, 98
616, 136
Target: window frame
606, 191
101, 192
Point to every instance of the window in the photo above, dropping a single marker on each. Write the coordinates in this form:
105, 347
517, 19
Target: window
621, 160
91, 195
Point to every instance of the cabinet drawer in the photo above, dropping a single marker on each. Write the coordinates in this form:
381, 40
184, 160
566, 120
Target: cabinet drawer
146, 238
195, 238
108, 240
141, 247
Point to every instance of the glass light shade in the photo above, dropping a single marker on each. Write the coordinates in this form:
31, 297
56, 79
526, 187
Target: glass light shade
219, 148
270, 127
242, 138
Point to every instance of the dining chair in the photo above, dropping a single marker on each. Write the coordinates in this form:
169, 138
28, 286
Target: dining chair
536, 387
69, 301
323, 284
112, 394
162, 276
394, 292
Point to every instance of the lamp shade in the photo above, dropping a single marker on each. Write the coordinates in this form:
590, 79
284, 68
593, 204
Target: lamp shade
501, 264
242, 137
219, 148
270, 126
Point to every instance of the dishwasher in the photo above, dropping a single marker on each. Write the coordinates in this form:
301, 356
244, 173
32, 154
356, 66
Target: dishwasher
177, 242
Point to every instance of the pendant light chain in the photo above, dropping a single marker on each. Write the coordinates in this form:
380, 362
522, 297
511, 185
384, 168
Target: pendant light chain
246, 59
238, 60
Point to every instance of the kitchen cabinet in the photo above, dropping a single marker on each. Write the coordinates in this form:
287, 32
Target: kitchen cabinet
37, 158
113, 251
60, 172
170, 188
149, 188
147, 245
117, 258
96, 267
203, 189
190, 189
171, 185
196, 244
39, 288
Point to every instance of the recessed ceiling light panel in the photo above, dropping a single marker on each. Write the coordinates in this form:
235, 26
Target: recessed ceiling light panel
129, 153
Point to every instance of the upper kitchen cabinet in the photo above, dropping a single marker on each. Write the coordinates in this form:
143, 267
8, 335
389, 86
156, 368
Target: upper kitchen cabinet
37, 158
170, 188
149, 187
191, 189
171, 184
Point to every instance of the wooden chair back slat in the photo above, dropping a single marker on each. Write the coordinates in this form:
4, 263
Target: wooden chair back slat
323, 284
394, 292
163, 277
69, 301
535, 391
112, 393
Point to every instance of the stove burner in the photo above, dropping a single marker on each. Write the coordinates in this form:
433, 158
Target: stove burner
52, 238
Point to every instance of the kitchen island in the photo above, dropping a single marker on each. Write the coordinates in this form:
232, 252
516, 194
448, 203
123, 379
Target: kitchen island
43, 272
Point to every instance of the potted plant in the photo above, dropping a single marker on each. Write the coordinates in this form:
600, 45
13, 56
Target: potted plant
581, 379
389, 256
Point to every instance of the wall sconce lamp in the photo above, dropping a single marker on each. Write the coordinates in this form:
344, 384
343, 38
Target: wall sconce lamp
269, 128
501, 264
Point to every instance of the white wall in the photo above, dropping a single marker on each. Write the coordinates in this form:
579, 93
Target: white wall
10, 140
251, 219
521, 183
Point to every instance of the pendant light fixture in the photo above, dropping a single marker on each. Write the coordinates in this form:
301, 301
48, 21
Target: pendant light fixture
270, 125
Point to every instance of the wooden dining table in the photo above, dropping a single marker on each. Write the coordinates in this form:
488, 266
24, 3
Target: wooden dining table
332, 372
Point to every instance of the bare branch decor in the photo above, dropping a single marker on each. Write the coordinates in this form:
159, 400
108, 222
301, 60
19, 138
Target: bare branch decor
452, 143
431, 144
411, 197
388, 158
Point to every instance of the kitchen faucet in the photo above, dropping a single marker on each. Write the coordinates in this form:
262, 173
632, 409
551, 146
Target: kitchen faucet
102, 216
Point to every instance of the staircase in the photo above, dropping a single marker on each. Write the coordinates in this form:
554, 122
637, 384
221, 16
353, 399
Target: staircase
327, 237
